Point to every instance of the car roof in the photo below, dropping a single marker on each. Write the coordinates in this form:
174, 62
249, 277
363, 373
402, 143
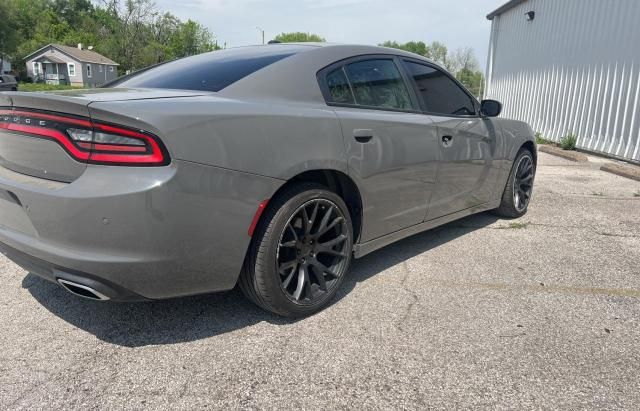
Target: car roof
295, 77
355, 48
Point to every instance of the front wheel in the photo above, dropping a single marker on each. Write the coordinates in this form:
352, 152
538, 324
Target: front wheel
300, 252
517, 193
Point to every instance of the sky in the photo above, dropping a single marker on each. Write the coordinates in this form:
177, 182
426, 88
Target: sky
456, 23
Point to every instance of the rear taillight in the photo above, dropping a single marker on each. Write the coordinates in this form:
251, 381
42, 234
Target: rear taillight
86, 140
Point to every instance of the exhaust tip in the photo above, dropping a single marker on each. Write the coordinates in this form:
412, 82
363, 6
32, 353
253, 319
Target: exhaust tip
82, 290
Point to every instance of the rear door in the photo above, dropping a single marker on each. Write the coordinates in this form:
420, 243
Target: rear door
392, 148
467, 173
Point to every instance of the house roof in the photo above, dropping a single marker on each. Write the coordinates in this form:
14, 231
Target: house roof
505, 7
50, 59
84, 55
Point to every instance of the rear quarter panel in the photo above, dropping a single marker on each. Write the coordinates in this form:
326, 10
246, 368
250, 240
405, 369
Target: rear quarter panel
273, 139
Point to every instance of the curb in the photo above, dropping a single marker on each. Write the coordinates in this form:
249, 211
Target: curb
623, 171
566, 154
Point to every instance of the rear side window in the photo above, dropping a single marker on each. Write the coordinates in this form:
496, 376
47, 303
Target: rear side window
339, 87
378, 83
206, 72
374, 83
439, 93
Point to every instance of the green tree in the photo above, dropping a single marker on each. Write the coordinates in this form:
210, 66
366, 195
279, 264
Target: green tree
8, 31
463, 59
72, 11
438, 52
462, 62
299, 37
162, 32
417, 47
435, 51
191, 38
128, 29
472, 80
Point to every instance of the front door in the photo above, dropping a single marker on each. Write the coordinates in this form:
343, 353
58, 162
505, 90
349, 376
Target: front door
467, 174
392, 148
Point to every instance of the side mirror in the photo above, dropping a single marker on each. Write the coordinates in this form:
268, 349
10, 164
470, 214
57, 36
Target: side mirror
490, 108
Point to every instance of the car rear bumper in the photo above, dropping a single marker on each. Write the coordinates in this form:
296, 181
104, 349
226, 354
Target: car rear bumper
102, 288
133, 233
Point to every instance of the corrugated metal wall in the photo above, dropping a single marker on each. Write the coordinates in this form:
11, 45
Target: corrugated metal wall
574, 69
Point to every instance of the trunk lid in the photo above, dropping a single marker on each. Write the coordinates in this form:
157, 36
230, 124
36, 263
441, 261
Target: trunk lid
46, 158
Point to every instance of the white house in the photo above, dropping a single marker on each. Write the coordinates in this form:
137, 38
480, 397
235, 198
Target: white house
570, 67
5, 66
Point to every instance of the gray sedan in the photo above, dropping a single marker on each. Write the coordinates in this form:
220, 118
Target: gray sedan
8, 83
268, 167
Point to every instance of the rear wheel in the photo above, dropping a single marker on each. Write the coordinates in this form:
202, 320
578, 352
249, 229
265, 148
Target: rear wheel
300, 253
517, 193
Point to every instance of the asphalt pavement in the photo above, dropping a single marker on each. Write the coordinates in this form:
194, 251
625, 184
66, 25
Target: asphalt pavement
539, 312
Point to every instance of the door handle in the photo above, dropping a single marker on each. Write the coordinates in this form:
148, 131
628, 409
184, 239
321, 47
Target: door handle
447, 141
362, 135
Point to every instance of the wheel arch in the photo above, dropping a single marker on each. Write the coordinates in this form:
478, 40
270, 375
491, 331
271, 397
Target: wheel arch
338, 182
530, 145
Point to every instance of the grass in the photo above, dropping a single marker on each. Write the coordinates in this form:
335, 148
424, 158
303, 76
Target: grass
568, 142
42, 87
541, 140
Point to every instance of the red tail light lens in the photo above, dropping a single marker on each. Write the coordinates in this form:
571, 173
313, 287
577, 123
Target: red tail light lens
86, 140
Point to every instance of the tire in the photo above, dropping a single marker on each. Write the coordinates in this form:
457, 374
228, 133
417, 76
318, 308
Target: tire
515, 202
269, 280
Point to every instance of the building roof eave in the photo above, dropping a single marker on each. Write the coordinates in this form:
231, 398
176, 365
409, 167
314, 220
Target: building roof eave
505, 7
51, 59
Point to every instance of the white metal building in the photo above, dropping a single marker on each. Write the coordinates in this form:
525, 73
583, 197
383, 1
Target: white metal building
570, 66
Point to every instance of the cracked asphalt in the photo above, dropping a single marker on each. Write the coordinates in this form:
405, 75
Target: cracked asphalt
540, 312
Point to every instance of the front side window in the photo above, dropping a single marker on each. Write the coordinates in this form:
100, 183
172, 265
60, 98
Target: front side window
378, 83
88, 70
440, 94
72, 69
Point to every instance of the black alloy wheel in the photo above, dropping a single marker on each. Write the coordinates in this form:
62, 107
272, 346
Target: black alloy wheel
519, 188
311, 252
300, 253
523, 183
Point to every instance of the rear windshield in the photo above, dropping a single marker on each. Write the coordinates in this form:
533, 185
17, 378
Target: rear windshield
210, 71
